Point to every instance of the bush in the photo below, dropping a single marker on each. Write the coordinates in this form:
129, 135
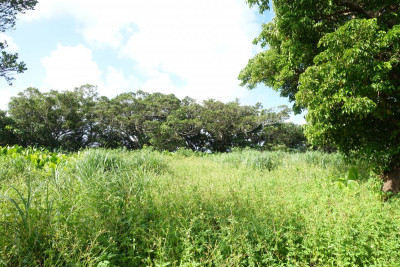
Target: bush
140, 208
267, 160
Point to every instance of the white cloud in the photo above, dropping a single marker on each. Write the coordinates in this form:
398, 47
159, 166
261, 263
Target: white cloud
205, 43
102, 21
12, 46
70, 66
116, 83
5, 98
298, 119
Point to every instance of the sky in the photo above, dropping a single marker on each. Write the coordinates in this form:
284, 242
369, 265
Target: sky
190, 48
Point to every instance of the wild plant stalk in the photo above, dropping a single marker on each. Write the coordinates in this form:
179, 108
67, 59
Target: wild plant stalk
122, 208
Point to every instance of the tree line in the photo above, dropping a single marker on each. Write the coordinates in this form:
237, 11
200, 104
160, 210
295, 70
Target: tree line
77, 119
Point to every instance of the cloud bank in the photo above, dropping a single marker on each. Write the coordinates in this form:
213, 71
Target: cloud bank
194, 48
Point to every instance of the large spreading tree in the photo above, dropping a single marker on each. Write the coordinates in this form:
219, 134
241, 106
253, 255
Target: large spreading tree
339, 60
8, 12
77, 119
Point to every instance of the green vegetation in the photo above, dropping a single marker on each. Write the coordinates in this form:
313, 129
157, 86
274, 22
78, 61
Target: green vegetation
39, 158
131, 208
170, 197
339, 60
82, 119
9, 9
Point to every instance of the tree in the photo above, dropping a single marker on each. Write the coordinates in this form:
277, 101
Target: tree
55, 119
30, 111
228, 125
8, 12
137, 119
121, 121
7, 134
157, 108
187, 124
339, 59
283, 136
88, 130
275, 133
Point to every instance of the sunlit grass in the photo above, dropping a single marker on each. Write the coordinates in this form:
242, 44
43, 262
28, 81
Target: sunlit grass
122, 208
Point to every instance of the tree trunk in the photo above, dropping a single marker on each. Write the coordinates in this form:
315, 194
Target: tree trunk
391, 181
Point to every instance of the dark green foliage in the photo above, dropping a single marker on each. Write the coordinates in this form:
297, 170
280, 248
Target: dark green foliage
187, 123
7, 134
356, 108
229, 125
55, 119
340, 61
80, 119
137, 119
286, 135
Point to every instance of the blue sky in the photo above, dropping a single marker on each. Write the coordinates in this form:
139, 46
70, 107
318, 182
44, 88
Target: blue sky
190, 48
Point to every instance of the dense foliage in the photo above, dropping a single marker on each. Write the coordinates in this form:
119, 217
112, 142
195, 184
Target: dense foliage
146, 208
8, 12
38, 157
340, 60
77, 119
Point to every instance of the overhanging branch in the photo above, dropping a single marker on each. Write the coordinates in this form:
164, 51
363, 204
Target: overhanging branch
355, 8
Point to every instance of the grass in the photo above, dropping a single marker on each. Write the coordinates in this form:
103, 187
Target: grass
145, 208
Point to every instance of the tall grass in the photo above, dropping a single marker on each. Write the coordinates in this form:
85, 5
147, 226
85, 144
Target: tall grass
251, 158
144, 208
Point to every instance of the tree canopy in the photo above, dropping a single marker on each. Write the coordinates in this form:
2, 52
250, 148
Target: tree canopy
8, 12
81, 118
338, 59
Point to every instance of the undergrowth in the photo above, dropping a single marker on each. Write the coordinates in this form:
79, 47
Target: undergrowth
147, 208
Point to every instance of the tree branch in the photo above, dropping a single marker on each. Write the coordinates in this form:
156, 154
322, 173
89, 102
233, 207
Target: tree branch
355, 8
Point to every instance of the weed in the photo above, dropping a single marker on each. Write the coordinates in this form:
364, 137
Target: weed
246, 208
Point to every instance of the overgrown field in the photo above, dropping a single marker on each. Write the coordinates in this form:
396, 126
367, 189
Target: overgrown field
138, 208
